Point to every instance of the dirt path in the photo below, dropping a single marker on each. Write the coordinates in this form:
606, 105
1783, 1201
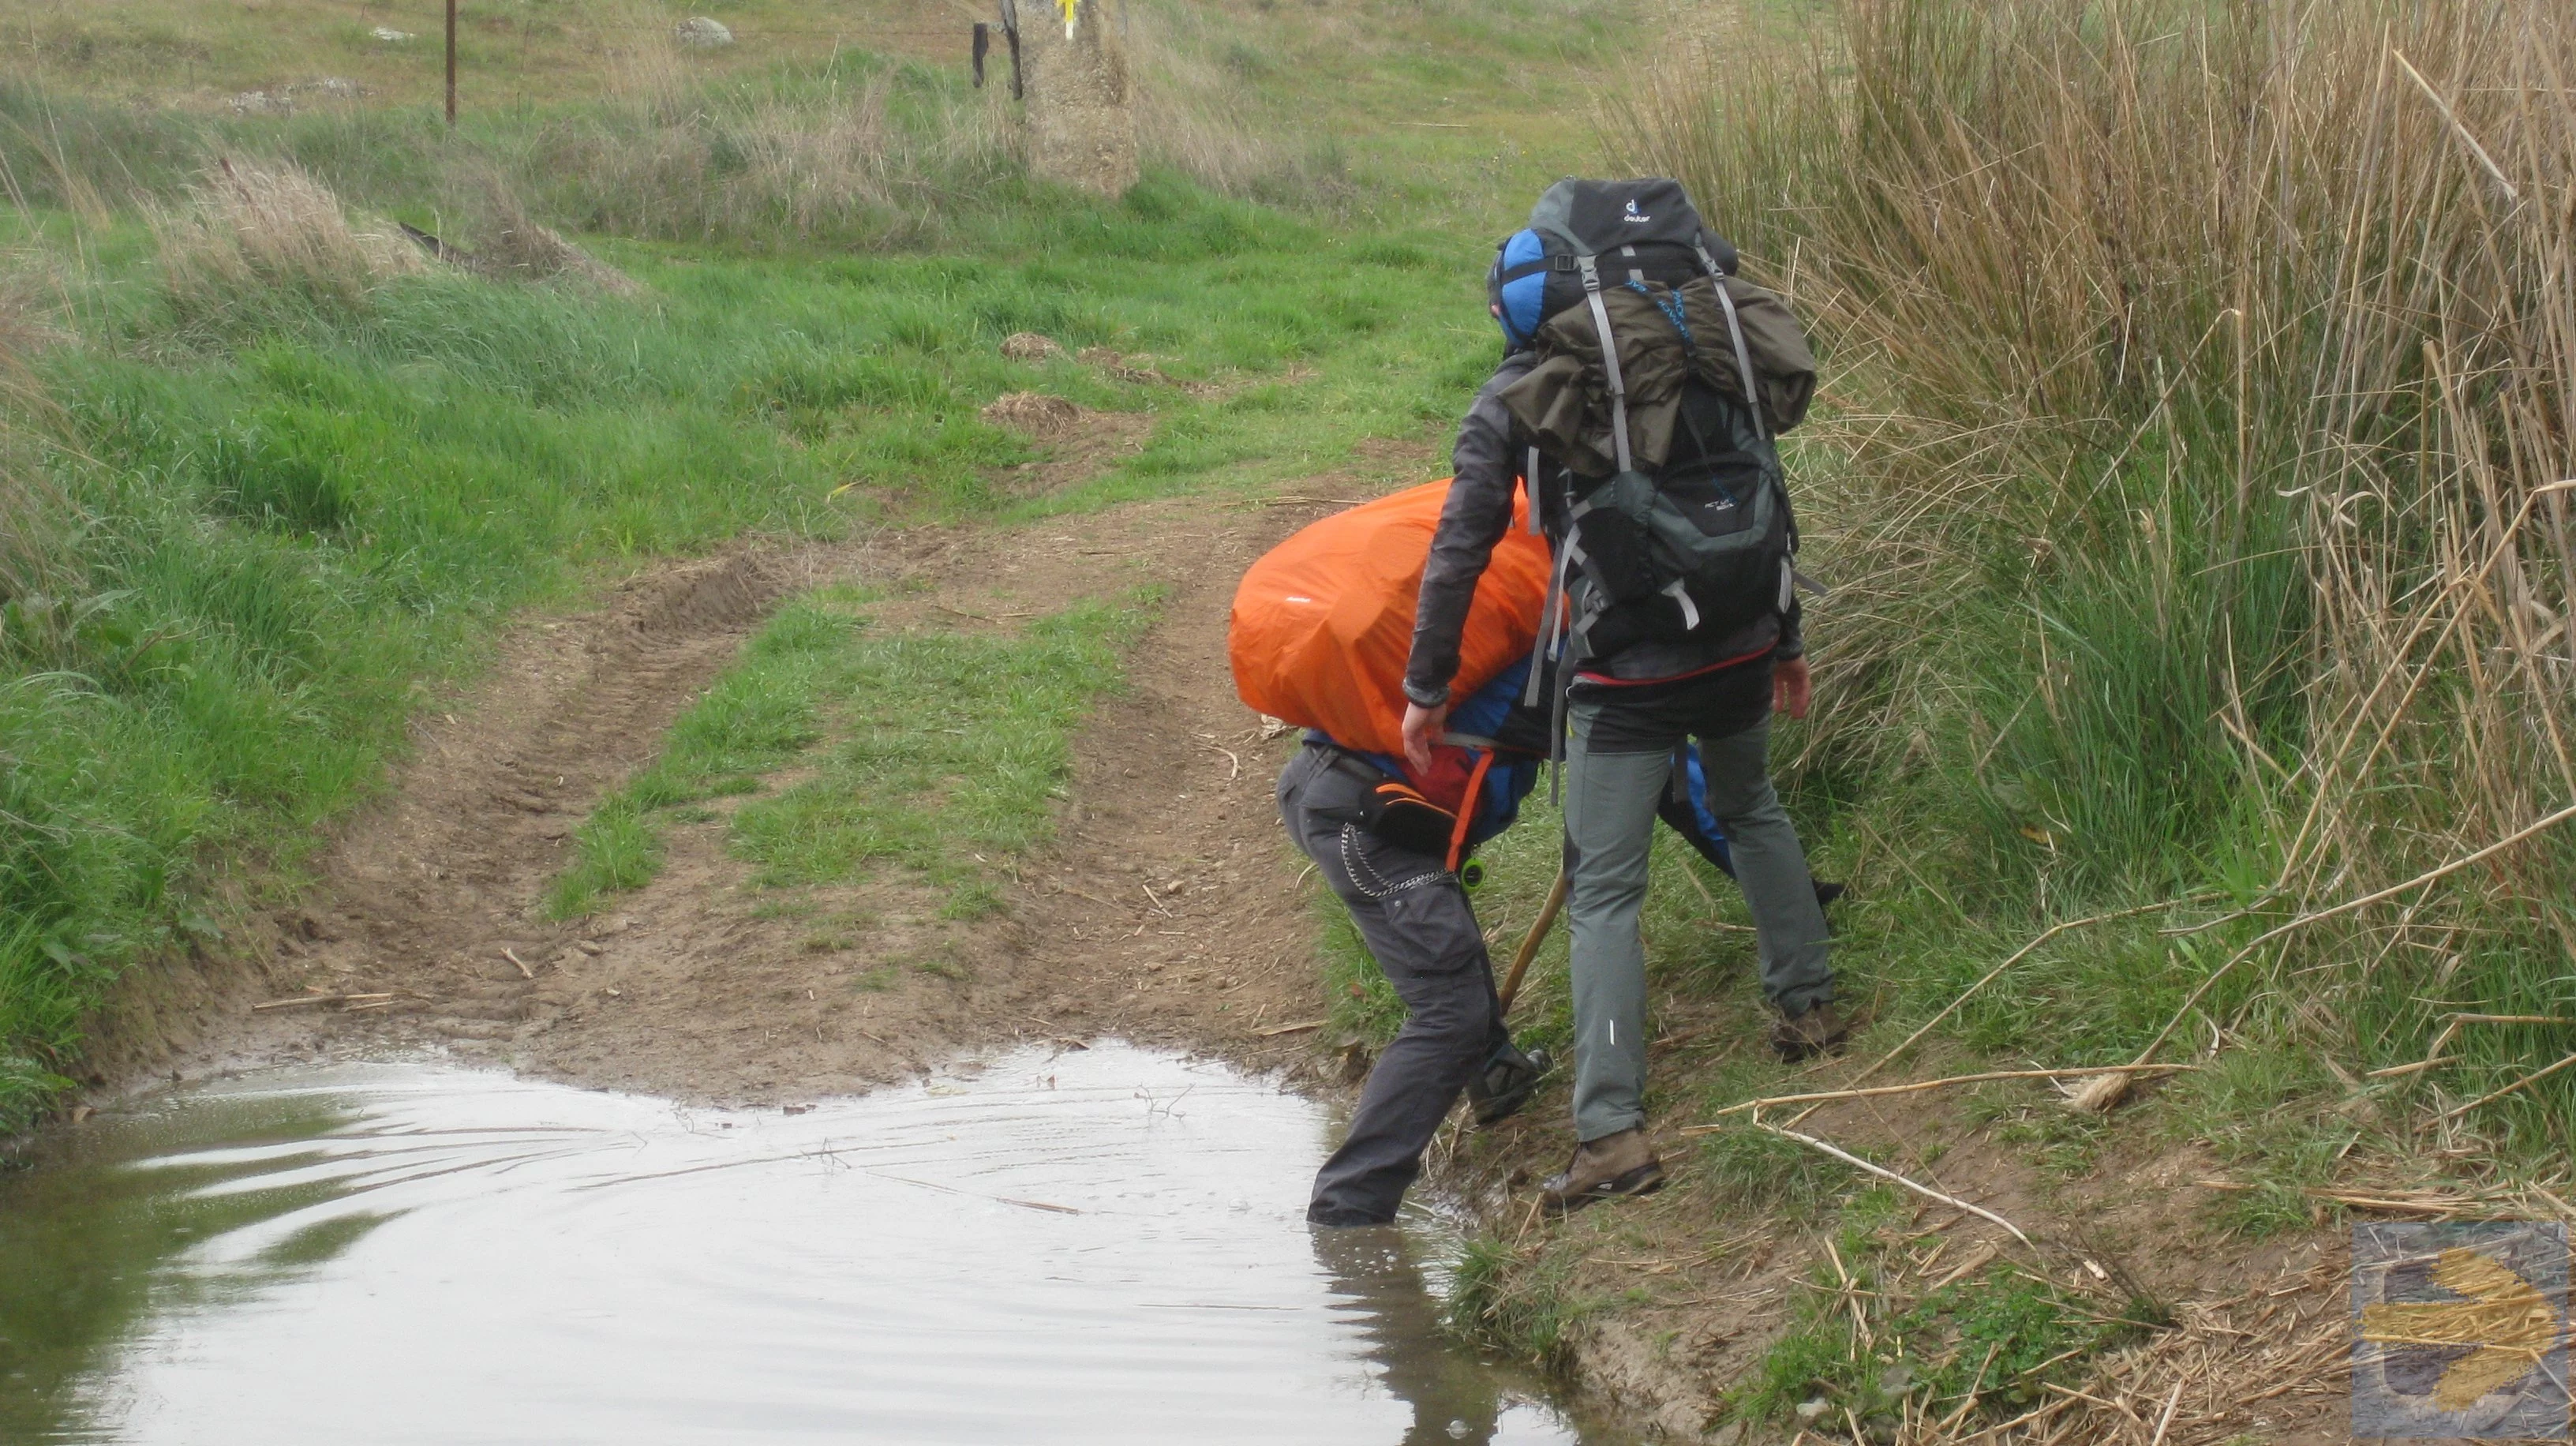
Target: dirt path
1165, 912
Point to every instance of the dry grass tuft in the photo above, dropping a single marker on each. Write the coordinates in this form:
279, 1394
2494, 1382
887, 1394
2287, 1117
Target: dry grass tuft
251, 225
1033, 414
757, 165
507, 244
1194, 115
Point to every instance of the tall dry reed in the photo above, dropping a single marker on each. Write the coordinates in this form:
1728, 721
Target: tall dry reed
2207, 390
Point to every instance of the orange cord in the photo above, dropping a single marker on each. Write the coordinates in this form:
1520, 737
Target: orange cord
1467, 808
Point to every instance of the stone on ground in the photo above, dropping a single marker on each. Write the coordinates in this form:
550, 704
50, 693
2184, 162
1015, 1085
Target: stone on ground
704, 33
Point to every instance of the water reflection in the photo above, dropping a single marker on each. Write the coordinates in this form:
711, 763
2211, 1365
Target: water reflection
1101, 1246
84, 1243
1376, 1271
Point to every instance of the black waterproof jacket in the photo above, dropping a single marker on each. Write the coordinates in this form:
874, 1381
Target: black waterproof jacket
1487, 464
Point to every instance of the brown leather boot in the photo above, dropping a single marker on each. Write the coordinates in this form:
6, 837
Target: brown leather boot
1808, 1034
1605, 1169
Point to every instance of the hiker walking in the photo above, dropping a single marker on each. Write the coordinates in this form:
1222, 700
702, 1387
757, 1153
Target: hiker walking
1636, 408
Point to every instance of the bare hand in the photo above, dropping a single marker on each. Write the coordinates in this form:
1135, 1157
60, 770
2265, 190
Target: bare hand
1422, 728
1792, 688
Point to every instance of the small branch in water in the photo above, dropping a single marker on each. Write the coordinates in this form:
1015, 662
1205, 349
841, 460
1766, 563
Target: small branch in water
309, 999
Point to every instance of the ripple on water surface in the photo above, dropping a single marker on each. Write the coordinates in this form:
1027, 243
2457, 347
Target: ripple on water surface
1105, 1245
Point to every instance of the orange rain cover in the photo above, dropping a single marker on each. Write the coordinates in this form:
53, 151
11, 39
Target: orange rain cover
1323, 624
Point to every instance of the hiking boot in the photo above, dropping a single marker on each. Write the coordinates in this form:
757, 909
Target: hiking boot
1506, 1083
1804, 1036
1605, 1169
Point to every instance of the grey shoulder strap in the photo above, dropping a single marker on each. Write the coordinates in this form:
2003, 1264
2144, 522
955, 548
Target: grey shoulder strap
1735, 330
1610, 358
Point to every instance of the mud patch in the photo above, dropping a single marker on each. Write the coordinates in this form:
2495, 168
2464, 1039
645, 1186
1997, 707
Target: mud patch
1080, 443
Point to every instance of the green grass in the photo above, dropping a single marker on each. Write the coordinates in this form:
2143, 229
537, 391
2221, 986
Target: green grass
1523, 1305
1985, 1345
2098, 640
936, 751
253, 526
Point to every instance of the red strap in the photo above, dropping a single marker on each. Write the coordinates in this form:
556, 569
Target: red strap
1467, 808
1603, 680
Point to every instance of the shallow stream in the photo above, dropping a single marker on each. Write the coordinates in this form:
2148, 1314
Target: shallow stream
1099, 1245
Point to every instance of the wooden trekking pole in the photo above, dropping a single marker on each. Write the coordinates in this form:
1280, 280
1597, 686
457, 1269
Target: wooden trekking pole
1529, 946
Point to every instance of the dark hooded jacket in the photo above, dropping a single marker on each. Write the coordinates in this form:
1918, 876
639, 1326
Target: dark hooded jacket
1492, 453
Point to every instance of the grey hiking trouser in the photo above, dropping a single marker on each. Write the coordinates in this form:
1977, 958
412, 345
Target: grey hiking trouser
1610, 803
1415, 919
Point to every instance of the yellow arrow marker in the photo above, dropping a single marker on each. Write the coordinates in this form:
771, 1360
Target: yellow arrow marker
2511, 1322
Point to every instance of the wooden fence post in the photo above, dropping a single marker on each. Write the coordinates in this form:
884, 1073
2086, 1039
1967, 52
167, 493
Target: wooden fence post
451, 64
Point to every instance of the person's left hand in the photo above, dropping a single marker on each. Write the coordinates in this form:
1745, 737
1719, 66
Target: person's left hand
1792, 688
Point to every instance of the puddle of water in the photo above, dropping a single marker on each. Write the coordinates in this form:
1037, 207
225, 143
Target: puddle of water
1106, 1245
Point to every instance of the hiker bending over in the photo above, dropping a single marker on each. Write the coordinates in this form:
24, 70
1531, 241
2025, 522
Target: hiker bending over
1388, 851
1318, 637
1650, 461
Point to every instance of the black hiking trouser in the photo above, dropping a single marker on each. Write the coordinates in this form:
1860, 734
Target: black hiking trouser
1414, 916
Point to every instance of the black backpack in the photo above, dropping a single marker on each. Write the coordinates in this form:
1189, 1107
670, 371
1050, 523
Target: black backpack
1704, 536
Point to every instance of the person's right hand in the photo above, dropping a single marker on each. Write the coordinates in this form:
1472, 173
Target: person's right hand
1422, 728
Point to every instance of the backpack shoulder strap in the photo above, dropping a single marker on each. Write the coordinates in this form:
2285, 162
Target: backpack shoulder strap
1735, 331
1610, 358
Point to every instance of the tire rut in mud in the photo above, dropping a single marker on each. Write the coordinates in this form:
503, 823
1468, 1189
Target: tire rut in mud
429, 895
1166, 910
